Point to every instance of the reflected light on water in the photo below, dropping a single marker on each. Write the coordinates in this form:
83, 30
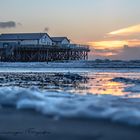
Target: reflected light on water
96, 82
108, 87
102, 83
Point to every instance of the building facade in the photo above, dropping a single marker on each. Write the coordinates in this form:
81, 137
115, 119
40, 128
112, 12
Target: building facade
60, 40
39, 47
27, 39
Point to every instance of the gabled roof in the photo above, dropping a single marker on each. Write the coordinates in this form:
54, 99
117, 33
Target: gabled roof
22, 36
59, 39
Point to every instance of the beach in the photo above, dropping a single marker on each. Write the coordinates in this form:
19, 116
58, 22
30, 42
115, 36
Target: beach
17, 124
69, 103
70, 70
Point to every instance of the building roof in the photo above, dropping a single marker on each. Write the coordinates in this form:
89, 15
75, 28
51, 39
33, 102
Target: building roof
59, 39
22, 36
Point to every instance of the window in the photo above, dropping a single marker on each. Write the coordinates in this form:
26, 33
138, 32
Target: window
43, 40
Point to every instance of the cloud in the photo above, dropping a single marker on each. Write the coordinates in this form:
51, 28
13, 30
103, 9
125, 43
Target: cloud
112, 44
102, 53
106, 50
131, 30
125, 53
134, 42
119, 38
9, 24
128, 53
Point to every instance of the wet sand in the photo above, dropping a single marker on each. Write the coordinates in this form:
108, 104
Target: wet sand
27, 125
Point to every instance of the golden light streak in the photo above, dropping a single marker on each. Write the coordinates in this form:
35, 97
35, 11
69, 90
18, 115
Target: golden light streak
112, 45
108, 44
127, 31
127, 36
134, 42
108, 87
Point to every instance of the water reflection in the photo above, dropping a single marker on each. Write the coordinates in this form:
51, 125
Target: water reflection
89, 82
102, 83
106, 86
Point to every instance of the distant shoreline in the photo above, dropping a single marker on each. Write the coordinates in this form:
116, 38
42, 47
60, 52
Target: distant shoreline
74, 64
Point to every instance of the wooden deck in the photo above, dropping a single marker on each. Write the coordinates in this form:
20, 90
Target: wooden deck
32, 53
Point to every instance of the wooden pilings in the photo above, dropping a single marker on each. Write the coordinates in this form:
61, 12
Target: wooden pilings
42, 54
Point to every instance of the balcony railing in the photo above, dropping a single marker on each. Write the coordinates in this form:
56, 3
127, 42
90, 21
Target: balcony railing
70, 46
75, 46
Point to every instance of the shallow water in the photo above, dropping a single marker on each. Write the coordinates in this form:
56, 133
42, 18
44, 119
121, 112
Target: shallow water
95, 81
87, 93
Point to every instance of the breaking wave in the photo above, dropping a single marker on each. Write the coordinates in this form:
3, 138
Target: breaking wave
66, 105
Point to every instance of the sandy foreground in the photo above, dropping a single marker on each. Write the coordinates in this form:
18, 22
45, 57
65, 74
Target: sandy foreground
20, 125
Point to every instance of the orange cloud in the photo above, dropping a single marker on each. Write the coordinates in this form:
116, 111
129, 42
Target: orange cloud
116, 40
105, 54
127, 31
115, 44
112, 45
134, 42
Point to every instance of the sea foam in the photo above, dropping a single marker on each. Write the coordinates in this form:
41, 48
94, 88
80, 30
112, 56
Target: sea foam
66, 105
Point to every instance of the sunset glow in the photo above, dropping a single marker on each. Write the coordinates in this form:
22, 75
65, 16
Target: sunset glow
127, 31
116, 40
105, 24
115, 88
108, 44
105, 54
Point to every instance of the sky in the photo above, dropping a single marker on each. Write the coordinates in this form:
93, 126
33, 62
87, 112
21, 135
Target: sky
105, 25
